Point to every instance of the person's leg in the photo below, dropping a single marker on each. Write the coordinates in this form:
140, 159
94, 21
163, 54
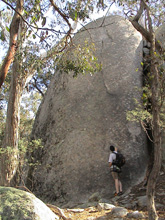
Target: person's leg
117, 185
115, 177
120, 186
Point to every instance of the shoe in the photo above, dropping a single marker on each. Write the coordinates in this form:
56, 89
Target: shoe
120, 193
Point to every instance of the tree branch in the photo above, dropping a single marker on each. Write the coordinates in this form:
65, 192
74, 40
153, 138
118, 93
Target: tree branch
140, 12
141, 29
14, 27
64, 16
36, 86
31, 26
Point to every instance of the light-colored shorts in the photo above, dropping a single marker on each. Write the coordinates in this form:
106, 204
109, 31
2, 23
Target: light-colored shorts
115, 175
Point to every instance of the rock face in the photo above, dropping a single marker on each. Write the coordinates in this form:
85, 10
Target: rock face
79, 118
21, 205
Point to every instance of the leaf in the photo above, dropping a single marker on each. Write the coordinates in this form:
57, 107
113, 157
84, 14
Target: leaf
75, 18
43, 21
2, 36
34, 36
30, 31
26, 12
34, 18
7, 29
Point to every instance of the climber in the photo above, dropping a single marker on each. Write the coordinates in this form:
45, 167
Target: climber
115, 171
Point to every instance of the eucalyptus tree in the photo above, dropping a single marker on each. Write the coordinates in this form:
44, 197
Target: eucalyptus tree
8, 168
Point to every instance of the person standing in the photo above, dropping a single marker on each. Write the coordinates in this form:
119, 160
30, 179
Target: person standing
115, 171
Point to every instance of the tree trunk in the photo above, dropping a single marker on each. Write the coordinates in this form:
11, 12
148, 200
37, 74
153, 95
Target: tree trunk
10, 157
14, 28
149, 36
156, 134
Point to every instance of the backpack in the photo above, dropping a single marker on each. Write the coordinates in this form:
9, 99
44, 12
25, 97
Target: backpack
120, 160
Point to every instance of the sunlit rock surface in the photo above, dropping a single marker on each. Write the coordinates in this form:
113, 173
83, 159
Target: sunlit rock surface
79, 118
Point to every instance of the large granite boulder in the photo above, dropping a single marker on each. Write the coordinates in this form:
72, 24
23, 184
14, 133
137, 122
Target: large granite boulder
79, 118
20, 205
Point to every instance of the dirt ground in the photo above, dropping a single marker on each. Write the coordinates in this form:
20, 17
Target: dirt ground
92, 213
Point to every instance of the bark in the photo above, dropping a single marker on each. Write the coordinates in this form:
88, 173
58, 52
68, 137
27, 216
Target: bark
14, 28
9, 160
10, 157
146, 34
156, 124
157, 147
156, 137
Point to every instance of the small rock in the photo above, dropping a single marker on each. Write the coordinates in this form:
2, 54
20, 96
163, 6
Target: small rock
142, 201
136, 215
94, 197
161, 173
91, 218
102, 200
91, 209
102, 218
119, 212
130, 205
118, 219
146, 50
76, 210
105, 206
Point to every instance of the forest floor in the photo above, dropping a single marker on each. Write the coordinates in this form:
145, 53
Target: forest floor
92, 213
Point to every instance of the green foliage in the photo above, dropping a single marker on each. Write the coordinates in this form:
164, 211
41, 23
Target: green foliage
33, 146
28, 148
2, 36
139, 114
79, 9
143, 110
8, 150
2, 125
25, 146
81, 60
